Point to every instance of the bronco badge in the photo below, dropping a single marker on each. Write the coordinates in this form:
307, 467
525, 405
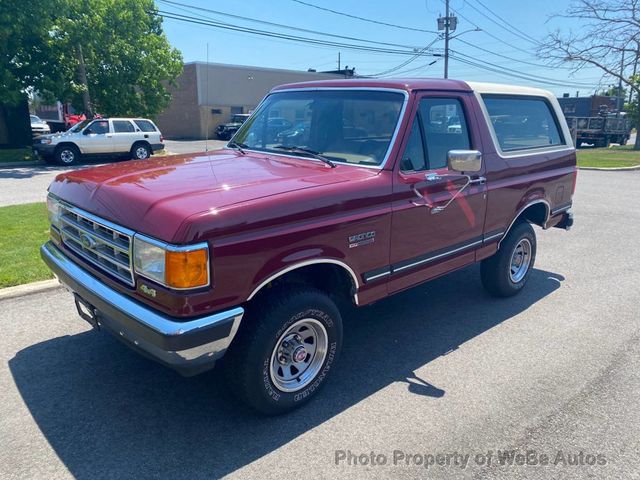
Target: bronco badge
362, 239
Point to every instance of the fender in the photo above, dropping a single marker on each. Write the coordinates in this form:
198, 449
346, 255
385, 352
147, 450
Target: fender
306, 263
533, 202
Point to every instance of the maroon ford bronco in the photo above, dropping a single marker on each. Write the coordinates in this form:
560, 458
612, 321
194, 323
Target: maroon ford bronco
254, 250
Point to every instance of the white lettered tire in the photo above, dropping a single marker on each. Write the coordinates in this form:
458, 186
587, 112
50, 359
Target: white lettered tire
285, 349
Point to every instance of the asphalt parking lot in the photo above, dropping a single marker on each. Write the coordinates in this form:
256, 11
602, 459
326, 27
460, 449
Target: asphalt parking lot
440, 369
29, 184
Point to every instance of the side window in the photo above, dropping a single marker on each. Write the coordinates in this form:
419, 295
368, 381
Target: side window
100, 127
123, 126
145, 125
413, 158
445, 128
521, 123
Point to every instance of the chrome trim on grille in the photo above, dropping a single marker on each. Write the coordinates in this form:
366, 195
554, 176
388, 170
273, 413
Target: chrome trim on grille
98, 241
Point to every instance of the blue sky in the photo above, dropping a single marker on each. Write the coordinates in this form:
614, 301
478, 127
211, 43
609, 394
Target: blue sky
532, 18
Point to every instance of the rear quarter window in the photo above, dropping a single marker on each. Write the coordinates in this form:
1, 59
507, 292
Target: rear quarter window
522, 123
123, 126
145, 125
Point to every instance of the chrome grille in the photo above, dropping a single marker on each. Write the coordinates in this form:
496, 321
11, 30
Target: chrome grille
98, 241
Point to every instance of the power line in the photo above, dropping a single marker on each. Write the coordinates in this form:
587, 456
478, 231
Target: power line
406, 62
532, 76
510, 58
420, 67
356, 17
512, 73
284, 36
495, 37
533, 40
177, 5
507, 29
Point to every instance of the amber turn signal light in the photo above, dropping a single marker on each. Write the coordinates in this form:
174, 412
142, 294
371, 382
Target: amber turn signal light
187, 269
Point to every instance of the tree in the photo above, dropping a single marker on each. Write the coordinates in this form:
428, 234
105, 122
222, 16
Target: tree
609, 40
109, 56
27, 60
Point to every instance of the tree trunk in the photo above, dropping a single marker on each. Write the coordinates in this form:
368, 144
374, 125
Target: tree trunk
82, 78
636, 145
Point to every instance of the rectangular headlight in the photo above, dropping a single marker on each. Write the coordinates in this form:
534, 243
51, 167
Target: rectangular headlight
172, 266
53, 211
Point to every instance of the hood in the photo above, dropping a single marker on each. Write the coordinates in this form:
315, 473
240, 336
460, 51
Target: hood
65, 135
158, 195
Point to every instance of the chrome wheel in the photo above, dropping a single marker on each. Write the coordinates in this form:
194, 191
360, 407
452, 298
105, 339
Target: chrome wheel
520, 260
67, 156
298, 355
141, 153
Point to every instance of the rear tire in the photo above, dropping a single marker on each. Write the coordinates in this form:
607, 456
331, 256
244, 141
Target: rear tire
285, 349
506, 272
67, 155
140, 151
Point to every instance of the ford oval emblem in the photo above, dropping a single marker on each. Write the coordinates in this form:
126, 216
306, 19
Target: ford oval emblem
87, 241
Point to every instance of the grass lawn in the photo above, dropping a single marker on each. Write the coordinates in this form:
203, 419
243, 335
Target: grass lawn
24, 228
17, 155
623, 156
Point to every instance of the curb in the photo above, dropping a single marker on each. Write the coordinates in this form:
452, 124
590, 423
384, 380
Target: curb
21, 164
612, 169
29, 289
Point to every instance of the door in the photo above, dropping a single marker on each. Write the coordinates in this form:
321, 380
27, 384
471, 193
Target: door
124, 135
96, 138
437, 221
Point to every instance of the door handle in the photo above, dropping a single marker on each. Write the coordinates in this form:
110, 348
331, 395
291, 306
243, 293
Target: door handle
478, 181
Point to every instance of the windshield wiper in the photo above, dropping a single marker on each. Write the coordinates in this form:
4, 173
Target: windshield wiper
238, 146
308, 151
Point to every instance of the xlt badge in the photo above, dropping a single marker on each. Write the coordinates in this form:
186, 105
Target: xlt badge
362, 239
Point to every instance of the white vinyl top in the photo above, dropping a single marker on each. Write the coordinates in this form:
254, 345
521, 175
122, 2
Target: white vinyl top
482, 87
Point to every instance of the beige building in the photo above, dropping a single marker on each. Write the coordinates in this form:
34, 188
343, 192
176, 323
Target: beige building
207, 95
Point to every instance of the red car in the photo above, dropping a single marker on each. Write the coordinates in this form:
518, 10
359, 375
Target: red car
253, 251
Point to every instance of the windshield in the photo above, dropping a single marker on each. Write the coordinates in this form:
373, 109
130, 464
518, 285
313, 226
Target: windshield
345, 126
79, 126
239, 118
35, 119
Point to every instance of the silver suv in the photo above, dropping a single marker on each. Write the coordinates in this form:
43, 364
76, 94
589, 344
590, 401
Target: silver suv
136, 138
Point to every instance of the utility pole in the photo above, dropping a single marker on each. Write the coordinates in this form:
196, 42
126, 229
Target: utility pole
620, 98
446, 40
82, 77
448, 23
635, 68
338, 61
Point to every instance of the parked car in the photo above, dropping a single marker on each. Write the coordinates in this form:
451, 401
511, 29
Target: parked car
38, 126
226, 130
256, 251
136, 138
298, 133
274, 127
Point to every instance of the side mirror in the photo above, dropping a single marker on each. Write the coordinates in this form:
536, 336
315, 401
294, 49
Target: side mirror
464, 160
87, 131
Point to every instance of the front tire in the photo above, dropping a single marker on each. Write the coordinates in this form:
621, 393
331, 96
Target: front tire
507, 271
67, 155
286, 349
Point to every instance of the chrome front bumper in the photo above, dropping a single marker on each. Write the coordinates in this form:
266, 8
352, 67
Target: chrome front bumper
188, 346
